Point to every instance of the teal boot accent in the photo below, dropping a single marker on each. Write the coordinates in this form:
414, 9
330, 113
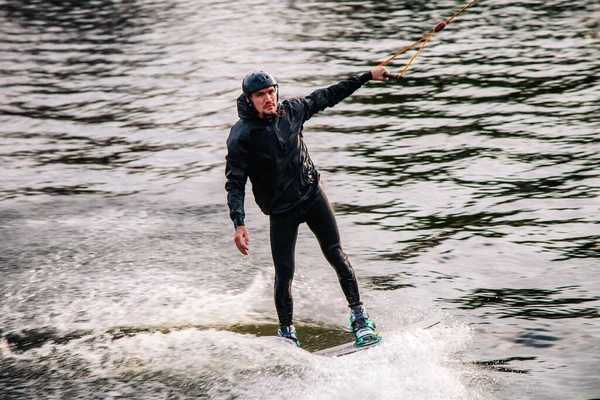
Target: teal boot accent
288, 332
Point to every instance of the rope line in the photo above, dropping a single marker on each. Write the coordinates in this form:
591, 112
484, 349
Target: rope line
426, 37
461, 10
417, 53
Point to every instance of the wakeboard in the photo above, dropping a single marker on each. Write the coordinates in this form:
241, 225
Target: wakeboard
351, 347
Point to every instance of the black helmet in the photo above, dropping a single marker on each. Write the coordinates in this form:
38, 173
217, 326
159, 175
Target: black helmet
257, 81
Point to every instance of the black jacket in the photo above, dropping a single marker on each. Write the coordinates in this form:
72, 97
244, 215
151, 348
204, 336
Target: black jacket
272, 153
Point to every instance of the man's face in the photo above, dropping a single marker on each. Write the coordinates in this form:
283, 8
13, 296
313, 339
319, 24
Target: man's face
265, 100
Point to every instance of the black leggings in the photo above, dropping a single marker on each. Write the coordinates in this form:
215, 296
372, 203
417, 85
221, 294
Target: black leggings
318, 215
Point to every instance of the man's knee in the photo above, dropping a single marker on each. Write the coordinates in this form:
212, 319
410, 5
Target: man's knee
334, 252
338, 259
283, 278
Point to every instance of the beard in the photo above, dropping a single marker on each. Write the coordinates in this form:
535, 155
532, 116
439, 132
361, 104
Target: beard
270, 110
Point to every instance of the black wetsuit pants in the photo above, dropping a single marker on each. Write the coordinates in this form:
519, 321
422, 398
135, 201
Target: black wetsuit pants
318, 215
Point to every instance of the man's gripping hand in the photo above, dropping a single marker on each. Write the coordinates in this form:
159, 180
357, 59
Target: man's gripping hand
242, 239
378, 74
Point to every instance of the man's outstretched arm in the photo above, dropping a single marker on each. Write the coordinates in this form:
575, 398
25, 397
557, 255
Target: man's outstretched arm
321, 99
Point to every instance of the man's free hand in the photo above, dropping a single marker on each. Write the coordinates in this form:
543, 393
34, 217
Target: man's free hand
242, 239
378, 74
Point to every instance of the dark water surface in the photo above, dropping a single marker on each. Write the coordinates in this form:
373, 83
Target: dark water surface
469, 191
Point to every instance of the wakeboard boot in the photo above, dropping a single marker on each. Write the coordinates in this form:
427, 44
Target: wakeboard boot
362, 328
288, 332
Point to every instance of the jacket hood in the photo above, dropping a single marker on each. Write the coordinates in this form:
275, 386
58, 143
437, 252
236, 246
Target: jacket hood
246, 111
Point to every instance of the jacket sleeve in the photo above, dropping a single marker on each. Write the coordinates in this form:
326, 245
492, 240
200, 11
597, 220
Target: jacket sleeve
321, 99
236, 173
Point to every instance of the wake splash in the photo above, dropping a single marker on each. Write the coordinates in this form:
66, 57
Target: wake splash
212, 364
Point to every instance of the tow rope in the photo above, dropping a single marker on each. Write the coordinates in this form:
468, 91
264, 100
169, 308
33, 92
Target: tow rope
428, 36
